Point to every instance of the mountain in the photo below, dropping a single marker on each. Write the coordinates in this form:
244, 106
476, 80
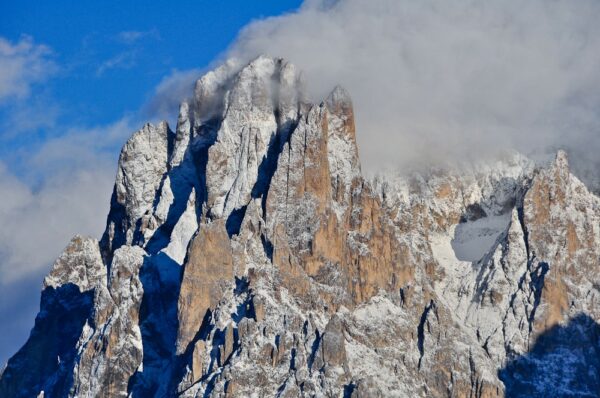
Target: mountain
245, 255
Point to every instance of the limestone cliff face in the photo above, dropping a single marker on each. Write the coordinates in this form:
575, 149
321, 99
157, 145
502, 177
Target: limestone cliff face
246, 255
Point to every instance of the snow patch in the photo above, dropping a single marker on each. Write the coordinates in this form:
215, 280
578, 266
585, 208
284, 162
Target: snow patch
474, 239
186, 227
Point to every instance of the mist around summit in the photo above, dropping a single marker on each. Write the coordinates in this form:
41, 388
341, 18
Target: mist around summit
434, 81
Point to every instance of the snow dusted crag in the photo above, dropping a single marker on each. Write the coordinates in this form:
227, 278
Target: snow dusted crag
246, 256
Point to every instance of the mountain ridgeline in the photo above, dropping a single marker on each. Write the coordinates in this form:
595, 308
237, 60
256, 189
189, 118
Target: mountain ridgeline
245, 255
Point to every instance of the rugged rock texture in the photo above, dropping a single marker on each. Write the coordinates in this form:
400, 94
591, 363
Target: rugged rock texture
204, 283
245, 255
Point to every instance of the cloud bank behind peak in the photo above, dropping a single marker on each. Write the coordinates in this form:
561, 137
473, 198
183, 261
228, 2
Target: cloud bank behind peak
436, 80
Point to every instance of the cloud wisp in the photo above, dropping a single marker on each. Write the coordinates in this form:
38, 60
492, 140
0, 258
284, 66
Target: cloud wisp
133, 42
168, 94
134, 36
22, 65
435, 80
123, 60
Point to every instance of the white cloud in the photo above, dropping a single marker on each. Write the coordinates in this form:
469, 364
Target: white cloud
128, 58
23, 64
123, 60
434, 79
37, 225
27, 116
169, 93
81, 147
67, 192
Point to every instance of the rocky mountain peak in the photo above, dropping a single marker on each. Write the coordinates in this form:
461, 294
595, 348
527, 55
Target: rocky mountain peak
246, 255
339, 98
561, 160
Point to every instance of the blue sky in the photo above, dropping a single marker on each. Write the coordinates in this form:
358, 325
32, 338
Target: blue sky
76, 78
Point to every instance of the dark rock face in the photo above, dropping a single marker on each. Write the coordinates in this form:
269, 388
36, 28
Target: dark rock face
245, 255
564, 361
44, 363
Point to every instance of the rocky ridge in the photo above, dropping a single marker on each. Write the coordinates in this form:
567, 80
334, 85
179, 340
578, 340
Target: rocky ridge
245, 255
